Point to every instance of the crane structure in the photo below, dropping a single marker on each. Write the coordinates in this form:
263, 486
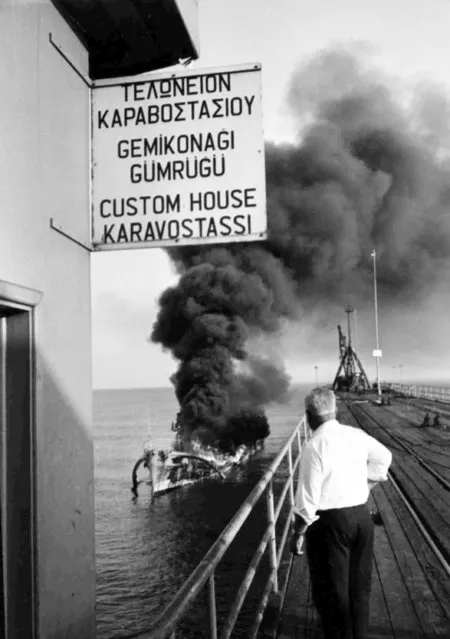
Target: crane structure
350, 375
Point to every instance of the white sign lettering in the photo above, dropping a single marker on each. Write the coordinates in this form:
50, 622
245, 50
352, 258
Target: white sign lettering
179, 159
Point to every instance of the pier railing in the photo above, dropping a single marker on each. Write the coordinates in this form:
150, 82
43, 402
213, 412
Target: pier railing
202, 581
436, 393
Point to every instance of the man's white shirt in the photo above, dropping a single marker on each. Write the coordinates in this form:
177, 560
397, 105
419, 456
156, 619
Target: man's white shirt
335, 466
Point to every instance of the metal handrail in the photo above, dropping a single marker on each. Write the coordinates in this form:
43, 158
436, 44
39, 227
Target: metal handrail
440, 393
204, 573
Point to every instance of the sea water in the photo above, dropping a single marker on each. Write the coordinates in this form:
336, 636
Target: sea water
145, 550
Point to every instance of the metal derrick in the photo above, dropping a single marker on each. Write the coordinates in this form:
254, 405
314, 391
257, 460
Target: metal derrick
350, 375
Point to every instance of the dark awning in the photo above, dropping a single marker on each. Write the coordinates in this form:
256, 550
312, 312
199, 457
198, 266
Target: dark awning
127, 37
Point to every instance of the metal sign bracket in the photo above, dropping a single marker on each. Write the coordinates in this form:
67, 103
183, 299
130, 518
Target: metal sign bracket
69, 62
59, 229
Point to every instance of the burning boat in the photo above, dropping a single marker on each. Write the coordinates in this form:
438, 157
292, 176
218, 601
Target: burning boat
173, 470
179, 467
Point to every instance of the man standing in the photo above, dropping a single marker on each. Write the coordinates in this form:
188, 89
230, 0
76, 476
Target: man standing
339, 465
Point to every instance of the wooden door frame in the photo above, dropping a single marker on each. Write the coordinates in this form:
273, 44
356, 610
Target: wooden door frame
16, 299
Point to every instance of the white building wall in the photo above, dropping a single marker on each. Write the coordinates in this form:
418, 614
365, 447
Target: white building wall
44, 173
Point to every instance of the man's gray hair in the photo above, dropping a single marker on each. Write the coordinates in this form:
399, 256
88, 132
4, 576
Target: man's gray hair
321, 402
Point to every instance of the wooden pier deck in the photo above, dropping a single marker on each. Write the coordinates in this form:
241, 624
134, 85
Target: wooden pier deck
411, 586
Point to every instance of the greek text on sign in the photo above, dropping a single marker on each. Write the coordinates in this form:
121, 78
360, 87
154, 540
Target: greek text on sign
179, 159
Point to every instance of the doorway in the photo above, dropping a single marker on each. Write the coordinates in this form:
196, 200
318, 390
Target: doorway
16, 471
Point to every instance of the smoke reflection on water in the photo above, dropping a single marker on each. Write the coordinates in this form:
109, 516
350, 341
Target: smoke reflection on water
145, 551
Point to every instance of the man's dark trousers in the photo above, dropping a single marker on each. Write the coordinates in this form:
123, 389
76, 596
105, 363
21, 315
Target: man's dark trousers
339, 547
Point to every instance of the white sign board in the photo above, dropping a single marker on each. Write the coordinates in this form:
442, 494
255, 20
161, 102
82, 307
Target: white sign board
178, 159
377, 352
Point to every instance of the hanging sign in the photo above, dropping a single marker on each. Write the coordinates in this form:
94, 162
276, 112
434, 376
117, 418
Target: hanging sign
178, 159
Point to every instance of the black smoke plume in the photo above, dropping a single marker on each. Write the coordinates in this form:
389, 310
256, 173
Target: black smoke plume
369, 170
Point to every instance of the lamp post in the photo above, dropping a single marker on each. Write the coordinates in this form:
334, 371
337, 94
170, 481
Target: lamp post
356, 332
316, 368
377, 352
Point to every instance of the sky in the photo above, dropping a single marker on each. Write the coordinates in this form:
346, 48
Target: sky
408, 40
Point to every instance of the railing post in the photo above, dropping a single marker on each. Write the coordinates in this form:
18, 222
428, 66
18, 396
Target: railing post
212, 606
273, 541
202, 579
291, 477
299, 452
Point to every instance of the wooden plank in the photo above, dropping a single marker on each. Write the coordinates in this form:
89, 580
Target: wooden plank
402, 574
435, 573
418, 483
344, 415
428, 610
409, 426
312, 627
422, 405
428, 502
426, 442
379, 621
431, 444
400, 608
435, 458
425, 485
299, 617
428, 583
418, 477
294, 613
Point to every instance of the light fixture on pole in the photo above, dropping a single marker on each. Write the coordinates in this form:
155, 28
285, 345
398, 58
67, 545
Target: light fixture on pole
316, 368
377, 352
